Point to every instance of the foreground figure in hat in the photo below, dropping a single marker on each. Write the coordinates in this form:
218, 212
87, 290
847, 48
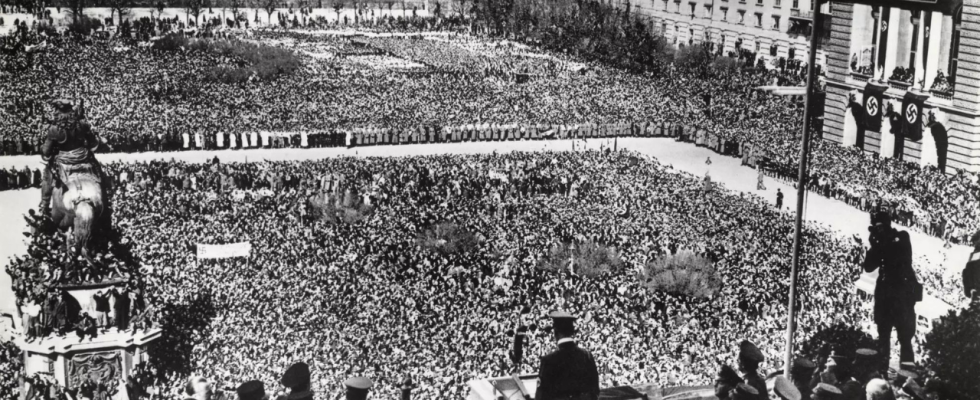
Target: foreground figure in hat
252, 390
749, 358
569, 373
358, 388
297, 379
897, 289
802, 373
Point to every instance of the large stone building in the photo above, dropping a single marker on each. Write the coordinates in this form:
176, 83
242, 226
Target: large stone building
773, 29
932, 57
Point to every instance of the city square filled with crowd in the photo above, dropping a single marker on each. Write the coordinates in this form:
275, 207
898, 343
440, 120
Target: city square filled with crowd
364, 298
150, 100
337, 276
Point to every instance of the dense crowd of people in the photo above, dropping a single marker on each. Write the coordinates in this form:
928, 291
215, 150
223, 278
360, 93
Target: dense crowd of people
146, 100
336, 276
11, 369
362, 298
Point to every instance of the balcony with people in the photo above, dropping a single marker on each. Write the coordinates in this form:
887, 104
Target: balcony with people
906, 50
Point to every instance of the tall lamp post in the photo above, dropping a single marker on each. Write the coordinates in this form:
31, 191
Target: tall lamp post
811, 76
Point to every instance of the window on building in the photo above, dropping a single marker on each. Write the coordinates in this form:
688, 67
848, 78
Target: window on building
741, 17
773, 50
724, 13
693, 6
864, 36
954, 47
707, 12
758, 20
792, 53
796, 3
758, 2
779, 3
775, 22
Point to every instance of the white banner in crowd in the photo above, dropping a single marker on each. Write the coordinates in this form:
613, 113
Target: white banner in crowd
242, 249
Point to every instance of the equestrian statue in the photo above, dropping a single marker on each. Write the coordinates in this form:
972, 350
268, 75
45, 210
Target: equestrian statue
73, 190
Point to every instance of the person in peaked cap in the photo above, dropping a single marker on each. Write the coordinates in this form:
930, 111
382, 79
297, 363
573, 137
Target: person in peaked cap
749, 358
745, 392
785, 390
252, 390
570, 372
358, 388
904, 375
825, 391
865, 365
802, 373
726, 381
297, 379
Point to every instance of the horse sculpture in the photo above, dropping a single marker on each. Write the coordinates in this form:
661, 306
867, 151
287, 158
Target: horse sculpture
74, 181
77, 204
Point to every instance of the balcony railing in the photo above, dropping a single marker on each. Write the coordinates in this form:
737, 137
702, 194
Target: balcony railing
801, 14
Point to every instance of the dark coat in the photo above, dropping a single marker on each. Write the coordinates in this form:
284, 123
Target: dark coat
569, 372
971, 274
896, 278
753, 379
102, 302
121, 308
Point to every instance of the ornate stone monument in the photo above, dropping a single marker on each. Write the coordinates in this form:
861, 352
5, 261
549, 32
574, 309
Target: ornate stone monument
84, 323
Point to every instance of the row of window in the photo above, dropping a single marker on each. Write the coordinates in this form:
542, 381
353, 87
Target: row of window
758, 20
776, 3
773, 48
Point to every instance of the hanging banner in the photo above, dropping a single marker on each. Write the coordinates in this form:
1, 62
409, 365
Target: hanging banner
883, 41
873, 104
912, 106
205, 251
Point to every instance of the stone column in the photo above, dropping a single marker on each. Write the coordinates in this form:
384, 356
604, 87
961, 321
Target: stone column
931, 64
838, 65
894, 22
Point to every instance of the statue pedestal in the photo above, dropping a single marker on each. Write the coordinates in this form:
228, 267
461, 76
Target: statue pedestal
107, 359
70, 361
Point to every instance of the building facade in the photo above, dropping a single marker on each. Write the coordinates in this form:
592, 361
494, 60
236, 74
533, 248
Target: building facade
931, 56
772, 29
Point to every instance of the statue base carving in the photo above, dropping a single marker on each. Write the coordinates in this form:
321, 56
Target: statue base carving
70, 360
